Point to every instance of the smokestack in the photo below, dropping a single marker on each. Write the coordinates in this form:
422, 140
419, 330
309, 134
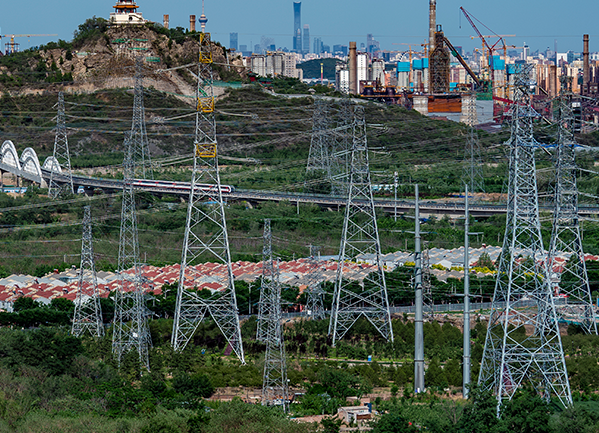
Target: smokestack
192, 23
165, 21
353, 69
432, 25
585, 65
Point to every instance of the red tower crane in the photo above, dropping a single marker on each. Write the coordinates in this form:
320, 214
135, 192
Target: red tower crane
487, 49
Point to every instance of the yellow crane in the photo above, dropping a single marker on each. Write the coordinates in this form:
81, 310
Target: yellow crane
13, 47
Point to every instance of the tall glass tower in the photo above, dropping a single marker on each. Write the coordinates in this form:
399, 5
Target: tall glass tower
306, 45
297, 30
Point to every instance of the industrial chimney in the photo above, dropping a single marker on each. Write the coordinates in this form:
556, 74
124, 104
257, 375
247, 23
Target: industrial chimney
165, 21
585, 65
353, 69
432, 25
192, 23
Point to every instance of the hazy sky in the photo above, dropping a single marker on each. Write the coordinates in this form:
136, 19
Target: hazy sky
536, 22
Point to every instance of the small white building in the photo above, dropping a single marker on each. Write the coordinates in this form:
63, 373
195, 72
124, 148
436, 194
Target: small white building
125, 13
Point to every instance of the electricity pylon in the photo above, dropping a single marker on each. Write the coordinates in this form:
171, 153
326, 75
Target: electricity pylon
131, 330
573, 283
139, 137
88, 312
341, 149
318, 168
269, 283
428, 306
61, 155
275, 389
360, 237
206, 236
473, 164
315, 292
523, 294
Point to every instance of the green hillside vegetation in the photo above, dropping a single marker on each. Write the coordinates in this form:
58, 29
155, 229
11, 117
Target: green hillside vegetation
50, 381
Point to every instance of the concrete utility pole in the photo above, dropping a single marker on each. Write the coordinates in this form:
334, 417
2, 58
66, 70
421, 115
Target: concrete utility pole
418, 322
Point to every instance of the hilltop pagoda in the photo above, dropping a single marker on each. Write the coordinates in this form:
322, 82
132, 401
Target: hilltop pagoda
125, 13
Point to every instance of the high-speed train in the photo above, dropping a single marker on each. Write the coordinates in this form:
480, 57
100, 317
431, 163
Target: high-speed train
183, 186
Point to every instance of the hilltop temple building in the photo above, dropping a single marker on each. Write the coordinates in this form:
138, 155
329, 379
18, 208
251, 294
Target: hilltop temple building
125, 12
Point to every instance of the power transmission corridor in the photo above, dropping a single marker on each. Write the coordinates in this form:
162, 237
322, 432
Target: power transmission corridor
206, 236
523, 344
367, 298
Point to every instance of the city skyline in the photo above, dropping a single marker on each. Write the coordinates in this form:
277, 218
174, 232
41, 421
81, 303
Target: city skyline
534, 22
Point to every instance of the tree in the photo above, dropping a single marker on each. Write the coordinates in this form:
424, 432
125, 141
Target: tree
525, 413
453, 372
393, 422
331, 425
62, 304
24, 303
435, 376
481, 415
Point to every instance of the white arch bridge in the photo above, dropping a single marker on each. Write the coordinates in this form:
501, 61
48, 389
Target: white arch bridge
27, 166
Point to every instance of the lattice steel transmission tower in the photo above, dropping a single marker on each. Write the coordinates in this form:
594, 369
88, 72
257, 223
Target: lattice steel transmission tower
131, 330
573, 282
473, 163
139, 138
341, 149
315, 292
523, 294
62, 157
206, 229
428, 307
360, 237
318, 168
275, 388
88, 312
269, 283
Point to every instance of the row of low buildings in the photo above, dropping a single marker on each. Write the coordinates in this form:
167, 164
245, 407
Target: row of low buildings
296, 273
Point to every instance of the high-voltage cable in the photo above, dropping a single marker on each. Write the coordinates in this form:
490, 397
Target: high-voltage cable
206, 237
360, 238
87, 317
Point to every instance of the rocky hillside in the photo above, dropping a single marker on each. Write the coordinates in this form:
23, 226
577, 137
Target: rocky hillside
101, 57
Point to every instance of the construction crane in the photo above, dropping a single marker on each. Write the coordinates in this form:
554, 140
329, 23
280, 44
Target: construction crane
488, 50
13, 47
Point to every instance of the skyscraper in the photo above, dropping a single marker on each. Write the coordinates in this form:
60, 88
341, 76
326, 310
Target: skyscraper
306, 43
297, 27
233, 38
